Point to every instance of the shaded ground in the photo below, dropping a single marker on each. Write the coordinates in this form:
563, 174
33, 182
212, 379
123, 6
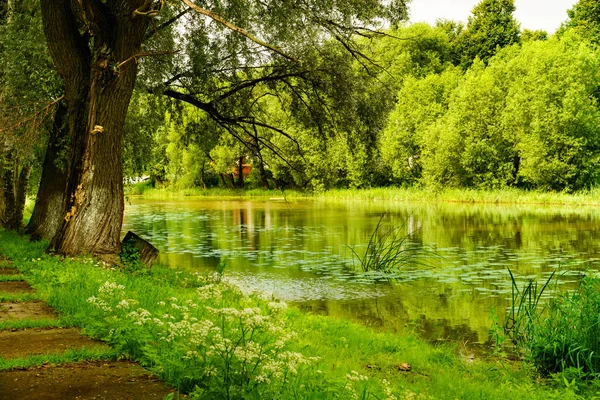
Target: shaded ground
43, 341
97, 380
16, 287
26, 310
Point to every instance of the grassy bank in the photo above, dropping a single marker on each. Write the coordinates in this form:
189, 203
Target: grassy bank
208, 338
504, 196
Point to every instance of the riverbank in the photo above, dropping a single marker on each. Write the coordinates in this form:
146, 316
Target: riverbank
206, 337
504, 196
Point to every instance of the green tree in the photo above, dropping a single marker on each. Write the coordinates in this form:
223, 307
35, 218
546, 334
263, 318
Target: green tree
27, 84
420, 103
553, 109
529, 35
491, 26
468, 146
96, 47
584, 17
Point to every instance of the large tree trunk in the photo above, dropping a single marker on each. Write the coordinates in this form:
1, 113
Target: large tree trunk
49, 210
99, 70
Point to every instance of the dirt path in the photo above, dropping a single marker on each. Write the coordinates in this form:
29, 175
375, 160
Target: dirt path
82, 380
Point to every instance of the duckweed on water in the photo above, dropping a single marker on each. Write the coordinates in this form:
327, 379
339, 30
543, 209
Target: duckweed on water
213, 341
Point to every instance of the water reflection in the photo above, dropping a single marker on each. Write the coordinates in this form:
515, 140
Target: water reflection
301, 252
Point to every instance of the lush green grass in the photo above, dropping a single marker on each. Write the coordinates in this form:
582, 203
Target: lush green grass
69, 356
147, 191
29, 324
208, 338
504, 196
15, 297
560, 336
11, 278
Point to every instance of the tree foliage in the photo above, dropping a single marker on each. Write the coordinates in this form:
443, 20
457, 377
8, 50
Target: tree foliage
584, 18
491, 26
528, 119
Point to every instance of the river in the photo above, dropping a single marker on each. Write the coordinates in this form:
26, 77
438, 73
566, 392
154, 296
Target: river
300, 251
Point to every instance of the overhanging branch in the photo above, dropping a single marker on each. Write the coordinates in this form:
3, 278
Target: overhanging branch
235, 28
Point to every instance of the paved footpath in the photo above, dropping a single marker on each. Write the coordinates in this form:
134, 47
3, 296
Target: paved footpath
83, 380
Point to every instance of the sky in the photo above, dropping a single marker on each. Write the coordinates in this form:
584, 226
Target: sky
532, 14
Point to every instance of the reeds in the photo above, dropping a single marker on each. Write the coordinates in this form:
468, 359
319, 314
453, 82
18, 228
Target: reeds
525, 310
389, 250
562, 335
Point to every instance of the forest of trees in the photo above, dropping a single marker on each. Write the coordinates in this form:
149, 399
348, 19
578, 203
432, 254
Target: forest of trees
313, 95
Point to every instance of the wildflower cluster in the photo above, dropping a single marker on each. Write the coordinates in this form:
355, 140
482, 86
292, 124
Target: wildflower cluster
111, 295
213, 345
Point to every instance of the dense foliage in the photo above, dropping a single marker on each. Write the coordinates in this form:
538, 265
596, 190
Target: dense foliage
481, 106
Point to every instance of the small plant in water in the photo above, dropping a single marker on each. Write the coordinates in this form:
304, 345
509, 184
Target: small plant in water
525, 309
387, 250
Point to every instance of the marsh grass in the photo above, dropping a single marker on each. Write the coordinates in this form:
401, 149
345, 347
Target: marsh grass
525, 309
559, 336
147, 191
502, 196
389, 250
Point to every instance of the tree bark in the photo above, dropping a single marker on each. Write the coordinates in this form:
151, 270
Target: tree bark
49, 209
99, 70
263, 174
202, 174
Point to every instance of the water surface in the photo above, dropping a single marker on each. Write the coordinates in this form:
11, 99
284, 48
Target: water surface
300, 251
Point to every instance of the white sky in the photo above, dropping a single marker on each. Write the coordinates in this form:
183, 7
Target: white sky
532, 14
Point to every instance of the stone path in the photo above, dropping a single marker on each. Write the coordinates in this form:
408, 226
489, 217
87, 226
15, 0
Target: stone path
84, 380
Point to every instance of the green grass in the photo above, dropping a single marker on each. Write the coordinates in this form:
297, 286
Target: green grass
11, 278
388, 250
30, 324
560, 336
147, 191
69, 356
163, 325
503, 196
18, 297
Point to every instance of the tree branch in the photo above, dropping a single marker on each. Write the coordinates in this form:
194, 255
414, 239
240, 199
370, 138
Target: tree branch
166, 23
235, 28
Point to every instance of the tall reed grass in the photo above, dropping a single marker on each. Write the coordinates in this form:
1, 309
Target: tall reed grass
561, 335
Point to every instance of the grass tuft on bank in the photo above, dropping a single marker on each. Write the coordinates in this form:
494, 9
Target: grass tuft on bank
211, 340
